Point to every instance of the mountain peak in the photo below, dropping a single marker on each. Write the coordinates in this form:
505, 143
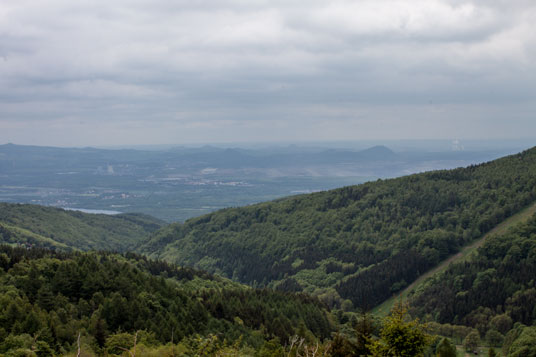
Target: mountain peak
378, 152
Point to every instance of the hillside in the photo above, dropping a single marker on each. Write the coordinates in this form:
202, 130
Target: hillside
50, 301
467, 252
57, 228
492, 290
359, 243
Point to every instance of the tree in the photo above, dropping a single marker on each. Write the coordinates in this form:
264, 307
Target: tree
525, 344
502, 323
445, 348
400, 336
494, 337
364, 330
120, 342
472, 341
341, 346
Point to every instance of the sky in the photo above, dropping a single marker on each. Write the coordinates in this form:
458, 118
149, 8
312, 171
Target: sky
99, 72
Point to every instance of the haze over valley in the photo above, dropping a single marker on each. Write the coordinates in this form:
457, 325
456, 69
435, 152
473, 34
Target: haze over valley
177, 183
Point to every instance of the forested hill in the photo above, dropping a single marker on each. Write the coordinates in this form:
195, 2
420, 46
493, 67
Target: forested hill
57, 228
362, 243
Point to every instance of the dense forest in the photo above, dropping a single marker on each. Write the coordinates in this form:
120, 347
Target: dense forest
356, 245
494, 291
88, 304
49, 298
51, 227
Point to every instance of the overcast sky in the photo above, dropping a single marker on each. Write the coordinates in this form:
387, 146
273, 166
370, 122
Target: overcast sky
100, 72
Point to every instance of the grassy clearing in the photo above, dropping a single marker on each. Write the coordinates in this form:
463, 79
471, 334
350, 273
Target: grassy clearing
465, 253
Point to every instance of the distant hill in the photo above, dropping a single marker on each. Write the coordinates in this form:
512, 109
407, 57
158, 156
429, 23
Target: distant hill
358, 244
379, 152
19, 159
57, 228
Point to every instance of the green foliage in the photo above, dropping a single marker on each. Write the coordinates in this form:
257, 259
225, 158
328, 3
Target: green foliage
119, 342
494, 338
472, 341
400, 336
358, 342
501, 323
342, 346
524, 344
367, 242
445, 348
492, 290
48, 297
49, 227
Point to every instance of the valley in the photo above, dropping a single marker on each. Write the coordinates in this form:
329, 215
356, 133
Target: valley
333, 269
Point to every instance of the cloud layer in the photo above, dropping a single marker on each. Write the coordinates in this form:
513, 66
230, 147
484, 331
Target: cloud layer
133, 72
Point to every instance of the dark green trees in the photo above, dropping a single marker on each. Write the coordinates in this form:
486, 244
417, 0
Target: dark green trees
445, 348
50, 297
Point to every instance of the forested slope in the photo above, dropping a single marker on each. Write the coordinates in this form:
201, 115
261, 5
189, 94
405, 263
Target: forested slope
57, 228
490, 292
362, 243
48, 298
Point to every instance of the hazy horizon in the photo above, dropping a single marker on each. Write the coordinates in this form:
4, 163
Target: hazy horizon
396, 145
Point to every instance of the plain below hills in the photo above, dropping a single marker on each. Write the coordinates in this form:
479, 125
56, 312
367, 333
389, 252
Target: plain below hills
175, 184
356, 245
51, 227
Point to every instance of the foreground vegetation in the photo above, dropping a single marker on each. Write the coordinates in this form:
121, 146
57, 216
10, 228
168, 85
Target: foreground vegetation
50, 298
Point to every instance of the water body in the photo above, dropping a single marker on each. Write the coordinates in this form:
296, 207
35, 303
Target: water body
94, 211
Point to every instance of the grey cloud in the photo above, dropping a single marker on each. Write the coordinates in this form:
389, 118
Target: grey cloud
186, 66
